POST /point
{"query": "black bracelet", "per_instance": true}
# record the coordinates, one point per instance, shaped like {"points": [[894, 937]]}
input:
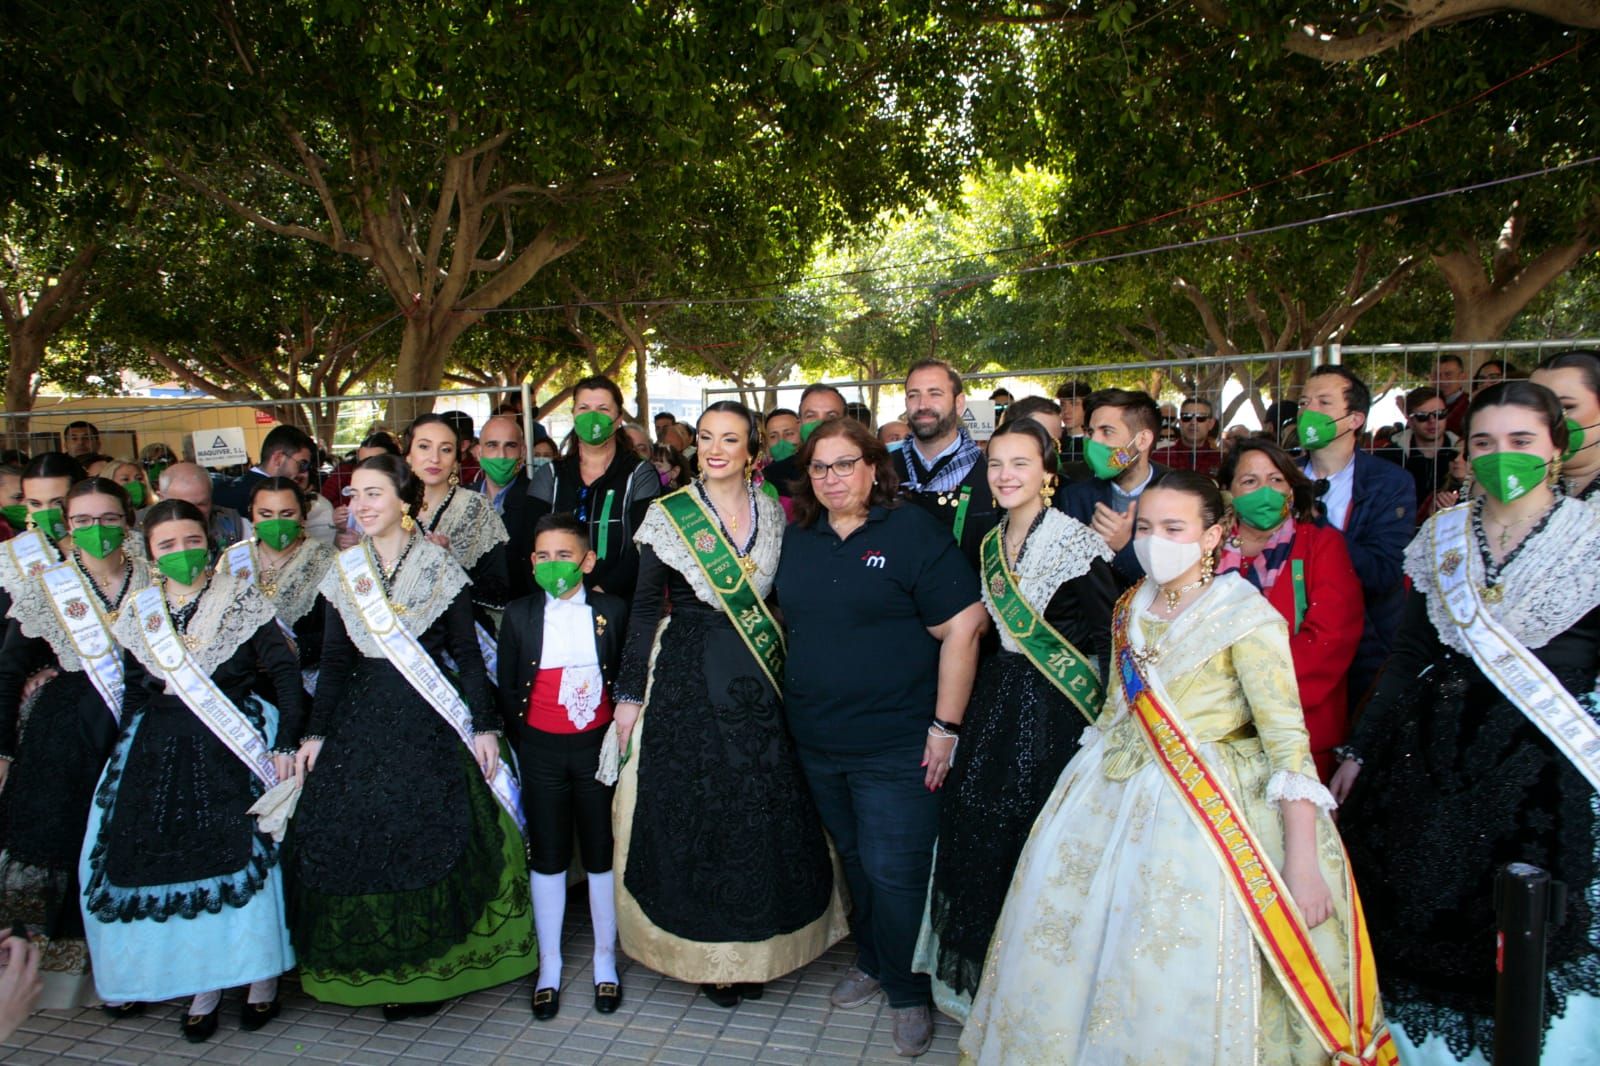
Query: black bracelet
{"points": [[953, 728]]}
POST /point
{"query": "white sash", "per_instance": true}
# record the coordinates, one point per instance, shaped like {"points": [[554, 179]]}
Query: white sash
{"points": [[184, 676], [1523, 679], [74, 604], [242, 565], [31, 553], [489, 650], [406, 653]]}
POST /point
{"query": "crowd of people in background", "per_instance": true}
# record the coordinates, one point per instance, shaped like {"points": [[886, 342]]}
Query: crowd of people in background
{"points": [[1055, 724]]}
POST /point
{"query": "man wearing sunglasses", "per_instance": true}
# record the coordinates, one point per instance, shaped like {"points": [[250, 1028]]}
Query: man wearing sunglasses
{"points": [[1196, 446], [1430, 453], [285, 452]]}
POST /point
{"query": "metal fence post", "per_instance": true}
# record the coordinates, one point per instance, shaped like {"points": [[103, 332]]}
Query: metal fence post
{"points": [[1528, 904]]}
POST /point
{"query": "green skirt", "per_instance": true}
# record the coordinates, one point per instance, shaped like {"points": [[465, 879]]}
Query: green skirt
{"points": [[501, 947]]}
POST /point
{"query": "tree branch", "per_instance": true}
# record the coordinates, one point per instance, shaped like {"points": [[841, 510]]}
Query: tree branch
{"points": [[1328, 46]]}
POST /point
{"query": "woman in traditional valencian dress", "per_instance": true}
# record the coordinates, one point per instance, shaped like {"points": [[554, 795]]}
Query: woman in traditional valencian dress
{"points": [[726, 877], [409, 878], [1029, 705], [457, 518], [182, 893], [286, 566], [51, 757], [1454, 776], [1574, 377], [1150, 916]]}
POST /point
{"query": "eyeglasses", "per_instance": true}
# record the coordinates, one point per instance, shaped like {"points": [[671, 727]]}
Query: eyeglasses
{"points": [[842, 468], [84, 521], [1429, 416]]}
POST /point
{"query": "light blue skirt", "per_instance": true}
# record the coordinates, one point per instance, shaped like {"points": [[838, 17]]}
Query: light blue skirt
{"points": [[146, 960]]}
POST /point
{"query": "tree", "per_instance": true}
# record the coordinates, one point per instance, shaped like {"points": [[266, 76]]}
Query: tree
{"points": [[458, 151]]}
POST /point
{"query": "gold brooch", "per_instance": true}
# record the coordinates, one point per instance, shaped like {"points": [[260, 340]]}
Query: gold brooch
{"points": [[192, 642], [599, 625], [1493, 594]]}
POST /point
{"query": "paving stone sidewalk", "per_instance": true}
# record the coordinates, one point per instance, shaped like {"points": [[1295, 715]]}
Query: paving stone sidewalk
{"points": [[660, 1021]]}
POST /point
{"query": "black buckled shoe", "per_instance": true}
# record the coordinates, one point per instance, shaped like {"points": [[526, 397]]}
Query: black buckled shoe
{"points": [[751, 989], [254, 1015], [722, 995], [131, 1009], [198, 1028], [546, 1003], [607, 997]]}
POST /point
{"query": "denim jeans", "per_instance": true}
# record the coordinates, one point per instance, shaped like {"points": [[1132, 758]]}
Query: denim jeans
{"points": [[884, 822]]}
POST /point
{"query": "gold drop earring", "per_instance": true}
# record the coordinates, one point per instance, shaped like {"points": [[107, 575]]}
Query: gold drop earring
{"points": [[1048, 491], [455, 476], [407, 523]]}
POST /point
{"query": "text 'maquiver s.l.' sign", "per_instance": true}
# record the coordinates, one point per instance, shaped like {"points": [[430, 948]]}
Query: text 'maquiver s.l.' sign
{"points": [[220, 447]]}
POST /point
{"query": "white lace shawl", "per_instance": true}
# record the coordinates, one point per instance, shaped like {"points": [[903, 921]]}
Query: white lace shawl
{"points": [[230, 613], [14, 581], [427, 585], [659, 533], [473, 526], [37, 618], [297, 581], [1060, 549], [1550, 584]]}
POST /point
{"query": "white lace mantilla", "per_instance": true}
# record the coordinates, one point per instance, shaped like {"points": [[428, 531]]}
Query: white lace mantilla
{"points": [[659, 533], [1550, 584], [1060, 549], [229, 614], [37, 618], [294, 589], [473, 526], [427, 584]]}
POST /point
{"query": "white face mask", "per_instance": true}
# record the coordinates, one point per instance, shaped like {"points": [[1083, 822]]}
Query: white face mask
{"points": [[1165, 560]]}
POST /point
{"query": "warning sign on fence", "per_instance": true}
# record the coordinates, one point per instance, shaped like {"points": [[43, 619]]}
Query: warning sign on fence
{"points": [[220, 447], [979, 419]]}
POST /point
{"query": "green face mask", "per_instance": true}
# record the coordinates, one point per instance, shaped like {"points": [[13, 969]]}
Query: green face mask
{"points": [[183, 566], [99, 541], [1508, 476], [1263, 508], [278, 533], [808, 428], [501, 470], [135, 491], [1107, 462], [50, 522], [16, 514], [1575, 439], [782, 449], [594, 427], [557, 576], [1316, 429]]}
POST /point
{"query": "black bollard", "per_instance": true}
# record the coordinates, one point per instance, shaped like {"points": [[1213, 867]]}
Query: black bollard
{"points": [[1527, 905]]}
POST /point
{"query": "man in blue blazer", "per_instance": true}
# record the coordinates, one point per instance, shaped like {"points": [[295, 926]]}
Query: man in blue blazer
{"points": [[1122, 426], [1374, 502]]}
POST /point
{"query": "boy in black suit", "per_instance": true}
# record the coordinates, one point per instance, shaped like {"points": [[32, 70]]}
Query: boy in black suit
{"points": [[559, 650]]}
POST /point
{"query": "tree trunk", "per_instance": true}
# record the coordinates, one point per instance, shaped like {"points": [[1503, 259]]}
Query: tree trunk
{"points": [[27, 356], [641, 364]]}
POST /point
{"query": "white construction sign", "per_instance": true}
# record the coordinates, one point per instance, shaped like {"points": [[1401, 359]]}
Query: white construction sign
{"points": [[979, 419], [220, 447]]}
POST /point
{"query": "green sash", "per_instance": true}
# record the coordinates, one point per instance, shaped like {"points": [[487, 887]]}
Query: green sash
{"points": [[727, 575], [1049, 651]]}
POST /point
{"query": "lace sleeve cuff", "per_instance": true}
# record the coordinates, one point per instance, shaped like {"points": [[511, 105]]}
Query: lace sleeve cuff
{"points": [[1289, 785], [623, 697]]}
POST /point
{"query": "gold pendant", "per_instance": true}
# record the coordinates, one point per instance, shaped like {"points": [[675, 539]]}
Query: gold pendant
{"points": [[1493, 594], [191, 642], [748, 565]]}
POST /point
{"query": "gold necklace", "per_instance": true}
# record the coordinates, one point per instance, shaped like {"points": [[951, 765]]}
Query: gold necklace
{"points": [[1172, 597], [1505, 530]]}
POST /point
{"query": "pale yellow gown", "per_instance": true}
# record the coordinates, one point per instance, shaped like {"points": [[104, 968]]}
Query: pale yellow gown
{"points": [[1120, 942]]}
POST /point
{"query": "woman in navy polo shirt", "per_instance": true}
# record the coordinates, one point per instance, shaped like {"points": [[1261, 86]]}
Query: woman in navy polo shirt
{"points": [[882, 615]]}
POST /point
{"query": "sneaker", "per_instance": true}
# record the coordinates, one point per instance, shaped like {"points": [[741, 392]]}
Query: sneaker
{"points": [[854, 989], [913, 1031]]}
